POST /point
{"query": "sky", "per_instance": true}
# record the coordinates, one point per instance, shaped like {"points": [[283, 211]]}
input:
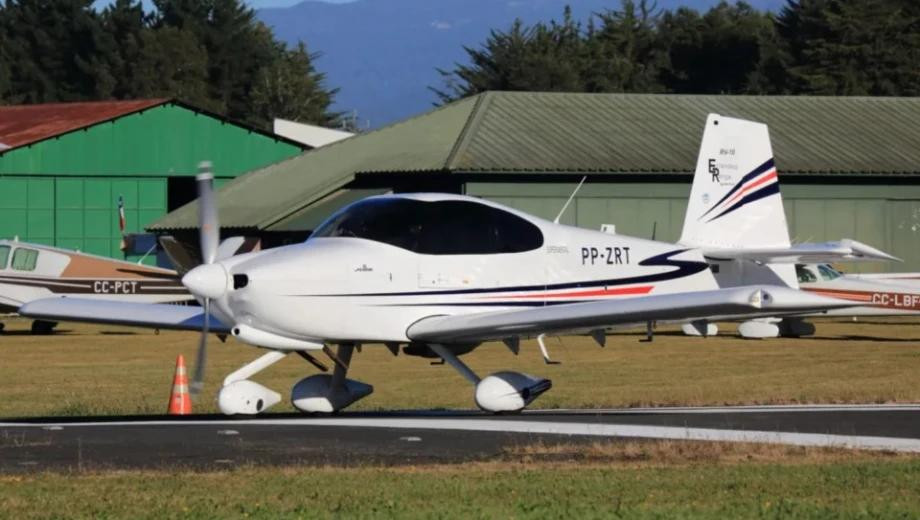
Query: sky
{"points": [[260, 4]]}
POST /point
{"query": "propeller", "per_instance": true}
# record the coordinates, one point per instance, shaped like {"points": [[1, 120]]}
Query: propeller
{"points": [[208, 280]]}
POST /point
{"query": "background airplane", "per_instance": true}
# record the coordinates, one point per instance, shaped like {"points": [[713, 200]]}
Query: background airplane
{"points": [[31, 272], [889, 294]]}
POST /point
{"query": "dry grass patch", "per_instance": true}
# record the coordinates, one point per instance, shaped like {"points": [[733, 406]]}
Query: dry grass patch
{"points": [[101, 370], [663, 453]]}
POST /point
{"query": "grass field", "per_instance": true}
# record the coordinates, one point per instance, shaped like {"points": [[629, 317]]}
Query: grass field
{"points": [[94, 370], [612, 480]]}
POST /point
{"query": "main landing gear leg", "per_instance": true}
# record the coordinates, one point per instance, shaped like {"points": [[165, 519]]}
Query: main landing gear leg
{"points": [[241, 396], [499, 392], [324, 393]]}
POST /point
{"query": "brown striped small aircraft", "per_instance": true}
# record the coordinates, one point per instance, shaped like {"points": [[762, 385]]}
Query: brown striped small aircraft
{"points": [[890, 294], [33, 271]]}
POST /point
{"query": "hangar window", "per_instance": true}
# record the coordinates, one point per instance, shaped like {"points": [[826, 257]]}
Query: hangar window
{"points": [[828, 273], [24, 259], [4, 256], [805, 274], [449, 227]]}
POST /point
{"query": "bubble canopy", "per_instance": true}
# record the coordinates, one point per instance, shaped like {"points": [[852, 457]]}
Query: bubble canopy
{"points": [[441, 227]]}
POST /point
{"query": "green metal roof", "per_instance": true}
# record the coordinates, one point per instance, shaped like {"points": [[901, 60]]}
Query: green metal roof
{"points": [[522, 132]]}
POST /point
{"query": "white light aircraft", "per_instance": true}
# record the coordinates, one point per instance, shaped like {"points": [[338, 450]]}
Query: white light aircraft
{"points": [[735, 217], [437, 275]]}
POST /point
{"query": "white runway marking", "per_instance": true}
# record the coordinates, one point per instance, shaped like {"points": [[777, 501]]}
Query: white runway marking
{"points": [[442, 421], [776, 408]]}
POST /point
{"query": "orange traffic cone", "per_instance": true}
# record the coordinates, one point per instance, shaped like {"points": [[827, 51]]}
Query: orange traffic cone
{"points": [[180, 403]]}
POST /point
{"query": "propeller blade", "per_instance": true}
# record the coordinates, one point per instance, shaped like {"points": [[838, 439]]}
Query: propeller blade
{"points": [[198, 381], [208, 226]]}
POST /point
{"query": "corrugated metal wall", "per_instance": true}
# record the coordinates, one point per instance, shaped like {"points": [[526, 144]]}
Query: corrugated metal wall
{"points": [[64, 191], [78, 212], [887, 217]]}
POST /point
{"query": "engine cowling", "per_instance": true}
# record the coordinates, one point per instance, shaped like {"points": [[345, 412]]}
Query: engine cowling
{"points": [[315, 394], [509, 391], [246, 397]]}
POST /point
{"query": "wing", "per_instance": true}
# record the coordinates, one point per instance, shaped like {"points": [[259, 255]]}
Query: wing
{"points": [[153, 315], [845, 250], [752, 301]]}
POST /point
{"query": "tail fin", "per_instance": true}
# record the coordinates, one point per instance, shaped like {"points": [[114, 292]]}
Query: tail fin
{"points": [[735, 200]]}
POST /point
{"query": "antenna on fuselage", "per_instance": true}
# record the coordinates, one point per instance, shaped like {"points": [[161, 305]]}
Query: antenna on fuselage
{"points": [[572, 196]]}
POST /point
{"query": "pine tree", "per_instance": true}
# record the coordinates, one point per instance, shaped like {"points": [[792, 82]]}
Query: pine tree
{"points": [[291, 88], [852, 47], [55, 50], [543, 57], [237, 47], [727, 50], [172, 63], [626, 55]]}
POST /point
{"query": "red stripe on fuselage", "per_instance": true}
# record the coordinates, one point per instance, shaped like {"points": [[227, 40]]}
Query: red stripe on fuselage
{"points": [[641, 289]]}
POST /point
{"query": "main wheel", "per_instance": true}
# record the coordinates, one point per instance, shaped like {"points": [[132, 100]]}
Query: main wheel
{"points": [[43, 327]]}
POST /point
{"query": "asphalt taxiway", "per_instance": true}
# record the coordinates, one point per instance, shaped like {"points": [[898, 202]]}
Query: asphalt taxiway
{"points": [[426, 436]]}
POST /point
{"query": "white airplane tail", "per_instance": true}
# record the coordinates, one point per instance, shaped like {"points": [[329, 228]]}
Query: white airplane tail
{"points": [[735, 201], [735, 204]]}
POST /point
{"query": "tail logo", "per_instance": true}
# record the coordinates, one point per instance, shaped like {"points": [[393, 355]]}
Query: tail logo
{"points": [[756, 185], [713, 170]]}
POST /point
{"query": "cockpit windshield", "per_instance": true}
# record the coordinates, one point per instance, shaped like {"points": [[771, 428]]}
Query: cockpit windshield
{"points": [[828, 273], [447, 227]]}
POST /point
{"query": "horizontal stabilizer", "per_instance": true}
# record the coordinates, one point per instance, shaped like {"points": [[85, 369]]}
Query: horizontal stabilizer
{"points": [[153, 315], [845, 250], [734, 302]]}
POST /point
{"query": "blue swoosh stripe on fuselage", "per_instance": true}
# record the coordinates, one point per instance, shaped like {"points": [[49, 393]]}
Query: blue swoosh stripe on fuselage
{"points": [[684, 268], [757, 171]]}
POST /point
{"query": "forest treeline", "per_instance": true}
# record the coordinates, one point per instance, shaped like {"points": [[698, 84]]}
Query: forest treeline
{"points": [[213, 54], [817, 47], [216, 55]]}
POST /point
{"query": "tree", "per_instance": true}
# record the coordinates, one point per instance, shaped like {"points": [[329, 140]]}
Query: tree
{"points": [[727, 50], [125, 26], [544, 57], [852, 47], [625, 54], [55, 50], [237, 46], [291, 88], [171, 63]]}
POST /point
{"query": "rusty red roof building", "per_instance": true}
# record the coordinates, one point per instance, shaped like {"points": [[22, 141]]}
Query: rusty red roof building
{"points": [[21, 125]]}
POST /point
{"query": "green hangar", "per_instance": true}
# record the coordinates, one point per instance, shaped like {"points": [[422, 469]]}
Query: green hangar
{"points": [[64, 166], [849, 166]]}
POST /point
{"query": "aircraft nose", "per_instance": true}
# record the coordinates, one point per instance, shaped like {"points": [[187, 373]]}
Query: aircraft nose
{"points": [[207, 280]]}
